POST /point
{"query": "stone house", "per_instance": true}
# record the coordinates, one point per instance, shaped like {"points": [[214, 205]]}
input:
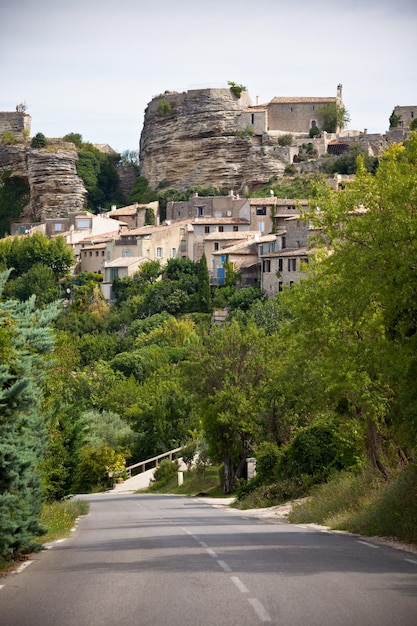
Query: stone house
{"points": [[201, 227], [161, 243], [288, 114], [217, 243], [134, 215], [209, 206], [406, 114], [121, 267], [283, 261]]}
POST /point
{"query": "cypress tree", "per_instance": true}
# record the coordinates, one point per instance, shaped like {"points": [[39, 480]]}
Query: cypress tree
{"points": [[25, 336], [204, 291]]}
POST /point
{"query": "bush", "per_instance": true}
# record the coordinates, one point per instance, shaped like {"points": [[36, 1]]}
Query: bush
{"points": [[267, 458], [164, 472], [164, 107], [8, 138], [39, 141], [285, 140]]}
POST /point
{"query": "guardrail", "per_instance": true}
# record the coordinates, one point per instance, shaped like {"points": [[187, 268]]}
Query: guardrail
{"points": [[154, 459]]}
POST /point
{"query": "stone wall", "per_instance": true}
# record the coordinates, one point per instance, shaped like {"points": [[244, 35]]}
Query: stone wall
{"points": [[14, 122]]}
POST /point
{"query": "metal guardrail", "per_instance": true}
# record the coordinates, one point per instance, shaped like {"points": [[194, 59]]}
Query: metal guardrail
{"points": [[154, 459]]}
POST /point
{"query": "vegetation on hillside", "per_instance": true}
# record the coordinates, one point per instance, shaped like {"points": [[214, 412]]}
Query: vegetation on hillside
{"points": [[316, 383]]}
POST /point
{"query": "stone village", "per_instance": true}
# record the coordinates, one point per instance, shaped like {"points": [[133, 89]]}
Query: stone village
{"points": [[230, 142]]}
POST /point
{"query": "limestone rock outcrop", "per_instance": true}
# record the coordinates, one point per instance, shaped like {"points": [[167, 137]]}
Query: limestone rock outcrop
{"points": [[55, 187], [197, 138]]}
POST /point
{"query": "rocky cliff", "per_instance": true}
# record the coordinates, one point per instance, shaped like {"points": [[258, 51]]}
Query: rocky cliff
{"points": [[197, 139], [55, 187]]}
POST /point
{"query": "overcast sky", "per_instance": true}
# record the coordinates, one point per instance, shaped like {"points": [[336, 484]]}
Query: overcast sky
{"points": [[92, 66]]}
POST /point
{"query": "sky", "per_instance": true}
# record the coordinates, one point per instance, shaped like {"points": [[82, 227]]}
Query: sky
{"points": [[92, 66]]}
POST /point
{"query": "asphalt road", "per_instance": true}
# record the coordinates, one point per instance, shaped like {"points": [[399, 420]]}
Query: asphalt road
{"points": [[151, 560]]}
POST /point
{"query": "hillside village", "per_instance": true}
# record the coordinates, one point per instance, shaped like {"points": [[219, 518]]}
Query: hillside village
{"points": [[265, 239]]}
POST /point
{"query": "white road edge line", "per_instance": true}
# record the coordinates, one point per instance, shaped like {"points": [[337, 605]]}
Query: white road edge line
{"points": [[224, 566], [239, 584], [22, 567], [414, 562], [370, 545], [259, 609]]}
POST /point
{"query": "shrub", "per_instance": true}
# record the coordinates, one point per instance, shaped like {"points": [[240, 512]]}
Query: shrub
{"points": [[164, 472], [8, 138], [314, 131], [267, 458], [290, 170], [285, 140], [236, 89], [164, 107], [39, 141]]}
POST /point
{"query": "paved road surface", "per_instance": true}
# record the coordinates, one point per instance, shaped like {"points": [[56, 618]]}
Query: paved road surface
{"points": [[152, 560]]}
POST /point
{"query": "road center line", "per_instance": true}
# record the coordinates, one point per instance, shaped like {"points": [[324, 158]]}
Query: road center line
{"points": [[259, 609], [211, 552], [224, 566], [239, 584]]}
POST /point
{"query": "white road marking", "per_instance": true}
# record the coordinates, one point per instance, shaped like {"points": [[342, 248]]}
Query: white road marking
{"points": [[211, 552], [202, 544], [1, 586], [224, 566], [239, 584], [22, 567], [370, 545], [411, 561], [259, 609]]}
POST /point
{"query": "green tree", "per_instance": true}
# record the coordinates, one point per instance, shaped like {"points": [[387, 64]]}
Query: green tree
{"points": [[332, 116], [14, 196], [228, 374], [203, 289], [40, 281], [21, 254], [26, 336], [359, 350]]}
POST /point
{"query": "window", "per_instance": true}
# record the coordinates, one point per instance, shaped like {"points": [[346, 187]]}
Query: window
{"points": [[173, 253], [261, 226], [82, 223], [114, 272], [58, 227], [183, 245], [102, 253], [200, 211], [90, 253], [261, 210], [280, 286], [284, 242], [252, 117], [235, 229], [96, 252], [280, 265], [314, 108], [159, 253], [266, 265], [292, 265], [221, 229], [182, 232], [216, 245], [206, 229]]}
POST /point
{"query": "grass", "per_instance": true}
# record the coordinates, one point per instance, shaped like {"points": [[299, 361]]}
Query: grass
{"points": [[365, 504], [59, 518]]}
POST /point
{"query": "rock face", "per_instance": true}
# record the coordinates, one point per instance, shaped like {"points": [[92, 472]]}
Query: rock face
{"points": [[197, 138], [55, 187]]}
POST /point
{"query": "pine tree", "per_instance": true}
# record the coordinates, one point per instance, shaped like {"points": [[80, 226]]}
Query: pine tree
{"points": [[25, 336]]}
